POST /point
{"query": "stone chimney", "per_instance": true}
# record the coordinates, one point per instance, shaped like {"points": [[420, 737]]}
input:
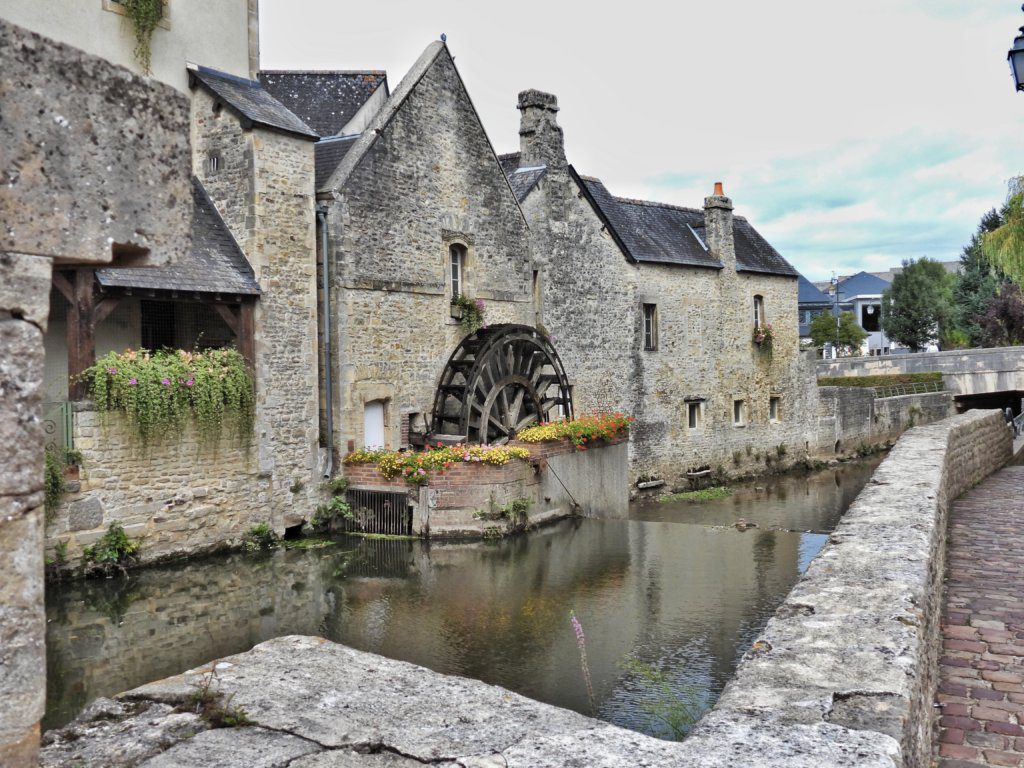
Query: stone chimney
{"points": [[718, 227], [540, 137]]}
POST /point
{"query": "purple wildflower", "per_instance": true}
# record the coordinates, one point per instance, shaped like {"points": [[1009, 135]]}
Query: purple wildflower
{"points": [[112, 371], [133, 381], [166, 382], [189, 383]]}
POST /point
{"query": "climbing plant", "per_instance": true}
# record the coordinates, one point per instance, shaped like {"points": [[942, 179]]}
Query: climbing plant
{"points": [[144, 16], [472, 312], [159, 391]]}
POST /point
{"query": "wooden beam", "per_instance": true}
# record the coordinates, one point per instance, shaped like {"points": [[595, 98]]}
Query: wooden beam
{"points": [[60, 282], [81, 332], [246, 336], [229, 317], [104, 307]]}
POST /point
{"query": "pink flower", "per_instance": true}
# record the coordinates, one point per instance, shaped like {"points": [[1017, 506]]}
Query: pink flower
{"points": [[166, 382], [420, 472], [133, 381], [112, 371], [189, 383]]}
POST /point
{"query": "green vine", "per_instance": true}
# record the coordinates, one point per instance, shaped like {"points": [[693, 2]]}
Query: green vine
{"points": [[472, 313], [144, 16], [159, 391], [53, 481]]}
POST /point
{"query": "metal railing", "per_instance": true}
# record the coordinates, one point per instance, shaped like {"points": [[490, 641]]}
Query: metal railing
{"points": [[913, 388], [378, 512], [57, 431]]}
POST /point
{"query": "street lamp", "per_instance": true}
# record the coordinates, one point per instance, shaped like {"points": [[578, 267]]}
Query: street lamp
{"points": [[835, 290], [1016, 58]]}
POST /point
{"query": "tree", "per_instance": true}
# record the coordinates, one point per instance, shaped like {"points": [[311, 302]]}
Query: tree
{"points": [[978, 283], [1002, 323], [1004, 245], [823, 331], [917, 308]]}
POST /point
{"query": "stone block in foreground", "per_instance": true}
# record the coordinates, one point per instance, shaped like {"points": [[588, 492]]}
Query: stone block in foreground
{"points": [[312, 703]]}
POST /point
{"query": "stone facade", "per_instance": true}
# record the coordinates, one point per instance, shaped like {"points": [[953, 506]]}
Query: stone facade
{"points": [[179, 496], [593, 298], [422, 177], [84, 178]]}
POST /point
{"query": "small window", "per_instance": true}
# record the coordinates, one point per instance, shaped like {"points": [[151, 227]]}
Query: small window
{"points": [[212, 163], [775, 408], [374, 424], [739, 412], [650, 327], [693, 415], [457, 263], [758, 311]]}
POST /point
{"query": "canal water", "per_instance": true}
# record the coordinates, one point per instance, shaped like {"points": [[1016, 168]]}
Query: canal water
{"points": [[668, 600]]}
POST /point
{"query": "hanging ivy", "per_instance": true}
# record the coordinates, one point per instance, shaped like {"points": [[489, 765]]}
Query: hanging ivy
{"points": [[160, 391], [144, 16]]}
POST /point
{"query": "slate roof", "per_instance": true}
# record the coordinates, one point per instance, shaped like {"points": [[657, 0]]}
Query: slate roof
{"points": [[522, 180], [808, 292], [651, 232], [214, 264], [250, 101], [862, 284], [328, 154], [326, 101], [755, 254]]}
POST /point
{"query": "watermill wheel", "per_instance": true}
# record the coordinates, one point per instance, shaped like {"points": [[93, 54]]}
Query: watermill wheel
{"points": [[499, 381]]}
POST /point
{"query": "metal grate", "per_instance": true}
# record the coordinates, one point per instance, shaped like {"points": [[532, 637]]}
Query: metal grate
{"points": [[57, 430], [379, 512], [381, 559]]}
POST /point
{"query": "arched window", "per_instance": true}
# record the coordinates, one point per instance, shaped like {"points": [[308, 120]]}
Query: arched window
{"points": [[457, 266]]}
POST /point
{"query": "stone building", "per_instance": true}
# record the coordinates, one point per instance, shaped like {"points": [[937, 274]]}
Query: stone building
{"points": [[654, 310]]}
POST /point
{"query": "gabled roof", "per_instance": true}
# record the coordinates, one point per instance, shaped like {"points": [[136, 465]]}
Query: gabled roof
{"points": [[650, 232], [808, 292], [755, 254], [383, 118], [325, 101], [329, 153], [248, 99], [214, 264], [521, 180], [862, 284]]}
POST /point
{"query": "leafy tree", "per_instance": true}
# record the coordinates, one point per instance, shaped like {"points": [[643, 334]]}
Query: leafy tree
{"points": [[1004, 245], [823, 331], [917, 308], [1002, 323], [978, 283]]}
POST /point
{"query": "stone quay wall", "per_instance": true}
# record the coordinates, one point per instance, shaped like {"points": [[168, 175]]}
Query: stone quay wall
{"points": [[854, 648], [851, 416], [93, 163], [559, 481], [179, 496]]}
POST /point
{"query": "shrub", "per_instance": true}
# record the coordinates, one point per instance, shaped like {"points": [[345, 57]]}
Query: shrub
{"points": [[112, 552], [260, 538], [327, 513], [472, 313], [415, 467], [158, 391], [53, 481], [587, 428]]}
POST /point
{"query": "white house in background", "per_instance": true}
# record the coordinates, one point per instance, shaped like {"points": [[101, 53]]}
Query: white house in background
{"points": [[861, 294]]}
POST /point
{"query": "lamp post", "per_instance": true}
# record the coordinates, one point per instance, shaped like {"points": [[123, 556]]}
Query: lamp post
{"points": [[835, 292], [1015, 57]]}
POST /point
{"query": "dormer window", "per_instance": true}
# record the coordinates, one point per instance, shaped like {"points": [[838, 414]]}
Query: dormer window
{"points": [[457, 265]]}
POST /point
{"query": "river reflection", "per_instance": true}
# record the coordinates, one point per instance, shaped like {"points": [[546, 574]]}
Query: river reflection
{"points": [[676, 588]]}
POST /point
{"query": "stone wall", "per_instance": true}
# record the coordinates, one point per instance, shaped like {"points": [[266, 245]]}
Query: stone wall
{"points": [[590, 482], [263, 188], [93, 166], [853, 649], [849, 417], [592, 305], [178, 496], [429, 178]]}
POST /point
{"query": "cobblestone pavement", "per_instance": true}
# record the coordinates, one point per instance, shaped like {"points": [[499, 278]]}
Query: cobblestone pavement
{"points": [[981, 683]]}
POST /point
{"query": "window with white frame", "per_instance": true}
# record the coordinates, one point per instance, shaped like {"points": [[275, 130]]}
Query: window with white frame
{"points": [[650, 327], [694, 414], [739, 413], [456, 268], [758, 311]]}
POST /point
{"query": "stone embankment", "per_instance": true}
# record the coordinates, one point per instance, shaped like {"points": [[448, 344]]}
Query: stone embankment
{"points": [[843, 675]]}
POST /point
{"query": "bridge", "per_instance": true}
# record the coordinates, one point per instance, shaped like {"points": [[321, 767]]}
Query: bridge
{"points": [[977, 378]]}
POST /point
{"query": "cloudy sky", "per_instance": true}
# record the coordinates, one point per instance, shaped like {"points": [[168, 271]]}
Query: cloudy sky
{"points": [[853, 134]]}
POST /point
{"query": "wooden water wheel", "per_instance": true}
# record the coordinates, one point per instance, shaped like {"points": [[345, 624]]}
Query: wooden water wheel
{"points": [[498, 381]]}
